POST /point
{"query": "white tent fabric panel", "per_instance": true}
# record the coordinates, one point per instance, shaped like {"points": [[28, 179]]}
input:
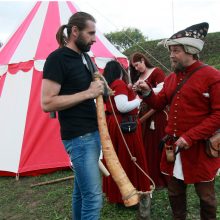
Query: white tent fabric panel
{"points": [[3, 69], [101, 62], [65, 13], [13, 110], [26, 49]]}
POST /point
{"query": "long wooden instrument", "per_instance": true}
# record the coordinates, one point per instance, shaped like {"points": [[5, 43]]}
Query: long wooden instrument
{"points": [[128, 192]]}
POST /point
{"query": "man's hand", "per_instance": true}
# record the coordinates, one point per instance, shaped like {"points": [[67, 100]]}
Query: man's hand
{"points": [[96, 88], [181, 143], [141, 86]]}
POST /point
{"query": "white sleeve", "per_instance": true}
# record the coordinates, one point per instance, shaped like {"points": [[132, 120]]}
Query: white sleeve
{"points": [[123, 105], [158, 88]]}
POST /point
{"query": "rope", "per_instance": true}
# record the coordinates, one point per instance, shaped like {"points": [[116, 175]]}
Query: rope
{"points": [[134, 42], [134, 159], [132, 193]]}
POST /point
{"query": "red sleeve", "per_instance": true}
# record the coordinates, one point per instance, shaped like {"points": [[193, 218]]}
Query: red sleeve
{"points": [[160, 100]]}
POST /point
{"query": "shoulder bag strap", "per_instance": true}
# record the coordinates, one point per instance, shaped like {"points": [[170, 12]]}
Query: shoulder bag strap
{"points": [[91, 66]]}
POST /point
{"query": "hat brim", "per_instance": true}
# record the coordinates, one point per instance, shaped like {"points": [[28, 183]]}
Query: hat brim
{"points": [[193, 42]]}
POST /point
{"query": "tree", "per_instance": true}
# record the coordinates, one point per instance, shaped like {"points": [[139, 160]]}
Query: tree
{"points": [[126, 38]]}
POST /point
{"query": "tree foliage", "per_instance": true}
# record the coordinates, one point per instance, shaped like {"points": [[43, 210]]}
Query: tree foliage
{"points": [[131, 40], [126, 38], [210, 53]]}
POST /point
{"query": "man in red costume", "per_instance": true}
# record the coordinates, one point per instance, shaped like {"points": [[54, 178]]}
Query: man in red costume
{"points": [[194, 116]]}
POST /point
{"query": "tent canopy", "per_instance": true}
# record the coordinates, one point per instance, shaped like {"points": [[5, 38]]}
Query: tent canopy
{"points": [[30, 141]]}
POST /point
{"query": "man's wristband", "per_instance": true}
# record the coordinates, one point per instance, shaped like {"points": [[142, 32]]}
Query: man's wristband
{"points": [[145, 94]]}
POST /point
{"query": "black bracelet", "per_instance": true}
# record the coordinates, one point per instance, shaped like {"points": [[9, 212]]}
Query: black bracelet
{"points": [[139, 93], [145, 94]]}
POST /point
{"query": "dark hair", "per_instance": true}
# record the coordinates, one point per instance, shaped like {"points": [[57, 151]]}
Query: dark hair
{"points": [[137, 57], [79, 20], [113, 71], [196, 56]]}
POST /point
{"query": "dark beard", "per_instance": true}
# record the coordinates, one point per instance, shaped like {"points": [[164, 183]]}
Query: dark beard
{"points": [[178, 68], [82, 46]]}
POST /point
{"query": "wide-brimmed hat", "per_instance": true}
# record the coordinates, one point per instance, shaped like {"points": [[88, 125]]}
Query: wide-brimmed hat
{"points": [[191, 38]]}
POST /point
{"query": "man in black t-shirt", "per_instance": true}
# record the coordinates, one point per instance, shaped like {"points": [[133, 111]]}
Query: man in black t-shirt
{"points": [[68, 88]]}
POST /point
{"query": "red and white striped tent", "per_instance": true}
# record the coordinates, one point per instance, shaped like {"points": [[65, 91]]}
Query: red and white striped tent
{"points": [[29, 140]]}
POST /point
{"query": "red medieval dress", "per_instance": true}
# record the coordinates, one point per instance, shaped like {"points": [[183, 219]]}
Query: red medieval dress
{"points": [[135, 144], [153, 130]]}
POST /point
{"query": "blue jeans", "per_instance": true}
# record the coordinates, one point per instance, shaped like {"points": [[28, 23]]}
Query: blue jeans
{"points": [[84, 152]]}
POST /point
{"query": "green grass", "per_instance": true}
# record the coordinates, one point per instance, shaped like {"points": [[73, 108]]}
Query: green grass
{"points": [[20, 201]]}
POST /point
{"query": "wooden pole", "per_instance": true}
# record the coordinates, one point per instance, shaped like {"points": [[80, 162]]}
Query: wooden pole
{"points": [[101, 167], [52, 181]]}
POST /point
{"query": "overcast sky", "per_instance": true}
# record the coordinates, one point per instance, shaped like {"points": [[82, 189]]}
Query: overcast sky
{"points": [[155, 18]]}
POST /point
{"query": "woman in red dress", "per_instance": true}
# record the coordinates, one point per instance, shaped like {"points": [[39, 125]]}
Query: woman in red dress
{"points": [[153, 127], [125, 104]]}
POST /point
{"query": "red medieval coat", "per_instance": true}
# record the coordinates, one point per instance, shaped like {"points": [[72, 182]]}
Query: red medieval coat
{"points": [[194, 115]]}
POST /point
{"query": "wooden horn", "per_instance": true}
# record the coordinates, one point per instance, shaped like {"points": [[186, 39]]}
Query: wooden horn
{"points": [[128, 192]]}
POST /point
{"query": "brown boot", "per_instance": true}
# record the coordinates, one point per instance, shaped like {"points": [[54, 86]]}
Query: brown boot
{"points": [[144, 207], [208, 203], [177, 198]]}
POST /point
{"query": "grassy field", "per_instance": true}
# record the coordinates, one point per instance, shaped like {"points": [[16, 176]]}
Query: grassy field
{"points": [[20, 201]]}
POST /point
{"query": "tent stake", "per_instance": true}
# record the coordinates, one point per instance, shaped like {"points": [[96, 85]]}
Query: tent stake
{"points": [[52, 181]]}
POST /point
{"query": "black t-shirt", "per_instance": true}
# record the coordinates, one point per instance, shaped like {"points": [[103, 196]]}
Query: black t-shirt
{"points": [[66, 67]]}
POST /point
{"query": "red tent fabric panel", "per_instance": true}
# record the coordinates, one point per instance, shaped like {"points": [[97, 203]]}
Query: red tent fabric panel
{"points": [[71, 7], [100, 50], [2, 80], [42, 146], [24, 66], [47, 41]]}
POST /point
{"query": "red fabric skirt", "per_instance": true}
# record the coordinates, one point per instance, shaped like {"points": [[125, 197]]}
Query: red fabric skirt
{"points": [[136, 177], [153, 130]]}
